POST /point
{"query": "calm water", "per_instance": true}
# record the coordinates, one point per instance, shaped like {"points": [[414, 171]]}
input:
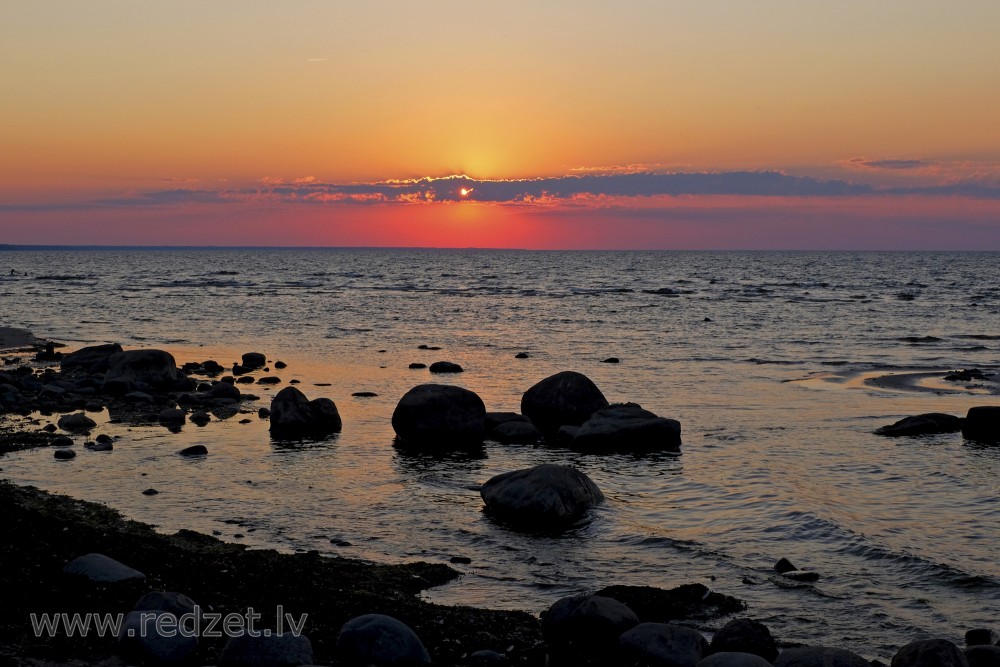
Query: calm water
{"points": [[763, 357]]}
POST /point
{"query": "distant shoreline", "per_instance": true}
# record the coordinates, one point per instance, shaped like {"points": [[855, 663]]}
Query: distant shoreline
{"points": [[792, 251]]}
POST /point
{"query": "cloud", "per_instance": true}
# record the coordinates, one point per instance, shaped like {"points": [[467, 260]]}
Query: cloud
{"points": [[865, 163]]}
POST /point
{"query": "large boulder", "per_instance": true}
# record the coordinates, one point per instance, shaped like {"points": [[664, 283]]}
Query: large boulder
{"points": [[566, 398], [156, 637], [153, 368], [545, 496], [664, 645], [818, 656], [744, 635], [929, 653], [627, 427], [284, 650], [587, 622], [982, 423], [253, 360], [733, 659], [437, 414], [91, 359], [376, 639], [101, 569], [293, 415], [925, 424], [983, 656], [76, 421]]}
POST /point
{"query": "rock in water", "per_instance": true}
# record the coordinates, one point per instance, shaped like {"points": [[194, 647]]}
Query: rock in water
{"points": [[982, 423], [582, 623], [194, 450], [445, 367], [376, 639], [64, 454], [101, 569], [929, 653], [92, 359], [566, 398], [437, 414], [981, 637], [172, 417], [155, 368], [254, 360], [76, 422], [931, 422], [664, 644], [818, 656], [546, 496], [522, 432], [983, 656], [285, 650], [293, 415], [627, 428]]}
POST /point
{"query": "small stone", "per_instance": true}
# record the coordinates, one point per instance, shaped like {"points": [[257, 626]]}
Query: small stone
{"points": [[270, 379], [199, 418], [150, 492], [610, 360], [521, 355], [460, 560], [194, 450], [64, 454], [416, 365], [364, 394], [445, 367], [263, 413], [981, 636], [784, 565], [280, 364]]}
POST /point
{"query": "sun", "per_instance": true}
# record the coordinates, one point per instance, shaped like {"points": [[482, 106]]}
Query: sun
{"points": [[465, 192]]}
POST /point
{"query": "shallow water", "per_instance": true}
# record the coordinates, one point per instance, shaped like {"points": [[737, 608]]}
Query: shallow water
{"points": [[775, 364]]}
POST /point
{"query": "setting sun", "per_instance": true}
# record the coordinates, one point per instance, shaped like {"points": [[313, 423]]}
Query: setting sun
{"points": [[465, 192]]}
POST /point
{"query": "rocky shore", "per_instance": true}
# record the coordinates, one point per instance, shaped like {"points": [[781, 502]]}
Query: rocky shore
{"points": [[64, 556]]}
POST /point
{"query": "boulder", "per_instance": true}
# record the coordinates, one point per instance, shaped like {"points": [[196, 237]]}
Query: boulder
{"points": [[545, 496], [983, 656], [929, 653], [733, 659], [982, 636], [199, 418], [76, 422], [172, 417], [744, 635], [156, 637], [585, 622], [376, 639], [154, 368], [818, 656], [663, 645], [566, 398], [416, 365], [64, 454], [516, 431], [687, 601], [494, 419], [629, 428], [293, 415], [225, 390], [445, 367], [982, 423], [285, 650], [177, 604], [99, 446], [270, 379], [436, 414], [91, 359], [925, 424], [98, 568], [254, 360]]}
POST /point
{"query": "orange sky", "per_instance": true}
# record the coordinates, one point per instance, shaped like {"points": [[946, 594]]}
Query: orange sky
{"points": [[110, 101]]}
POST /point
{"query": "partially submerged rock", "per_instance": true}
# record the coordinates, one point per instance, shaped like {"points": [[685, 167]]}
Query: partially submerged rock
{"points": [[132, 369], [545, 496], [92, 359], [439, 415], [586, 622], [293, 415], [663, 645], [929, 653], [566, 398], [627, 428], [925, 424], [744, 635], [982, 423]]}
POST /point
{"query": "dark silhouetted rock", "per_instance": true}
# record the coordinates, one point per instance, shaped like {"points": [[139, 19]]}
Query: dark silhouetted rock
{"points": [[417, 365], [932, 422], [177, 604], [566, 398], [172, 417], [733, 659], [981, 636], [982, 423], [194, 450], [91, 359], [583, 623], [460, 560], [627, 428], [545, 496], [376, 639], [966, 375], [245, 379], [150, 492], [294, 415], [445, 367], [254, 360], [154, 368], [744, 635], [522, 432], [364, 394], [983, 656], [76, 422], [784, 565], [64, 454], [153, 637], [611, 360], [263, 413], [104, 437], [270, 379], [99, 446], [240, 369], [100, 569], [522, 355], [818, 656], [199, 418], [286, 650], [805, 576], [280, 364], [929, 653], [494, 419], [688, 601], [663, 645], [486, 657], [432, 414]]}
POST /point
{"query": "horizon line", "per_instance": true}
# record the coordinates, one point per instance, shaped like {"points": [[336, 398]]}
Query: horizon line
{"points": [[20, 247]]}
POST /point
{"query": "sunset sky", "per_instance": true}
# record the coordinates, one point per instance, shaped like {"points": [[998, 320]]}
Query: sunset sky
{"points": [[702, 124]]}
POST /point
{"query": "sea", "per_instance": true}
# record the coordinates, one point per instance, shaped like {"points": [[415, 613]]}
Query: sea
{"points": [[779, 366]]}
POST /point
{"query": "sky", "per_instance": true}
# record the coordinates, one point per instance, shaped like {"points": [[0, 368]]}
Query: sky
{"points": [[669, 124]]}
